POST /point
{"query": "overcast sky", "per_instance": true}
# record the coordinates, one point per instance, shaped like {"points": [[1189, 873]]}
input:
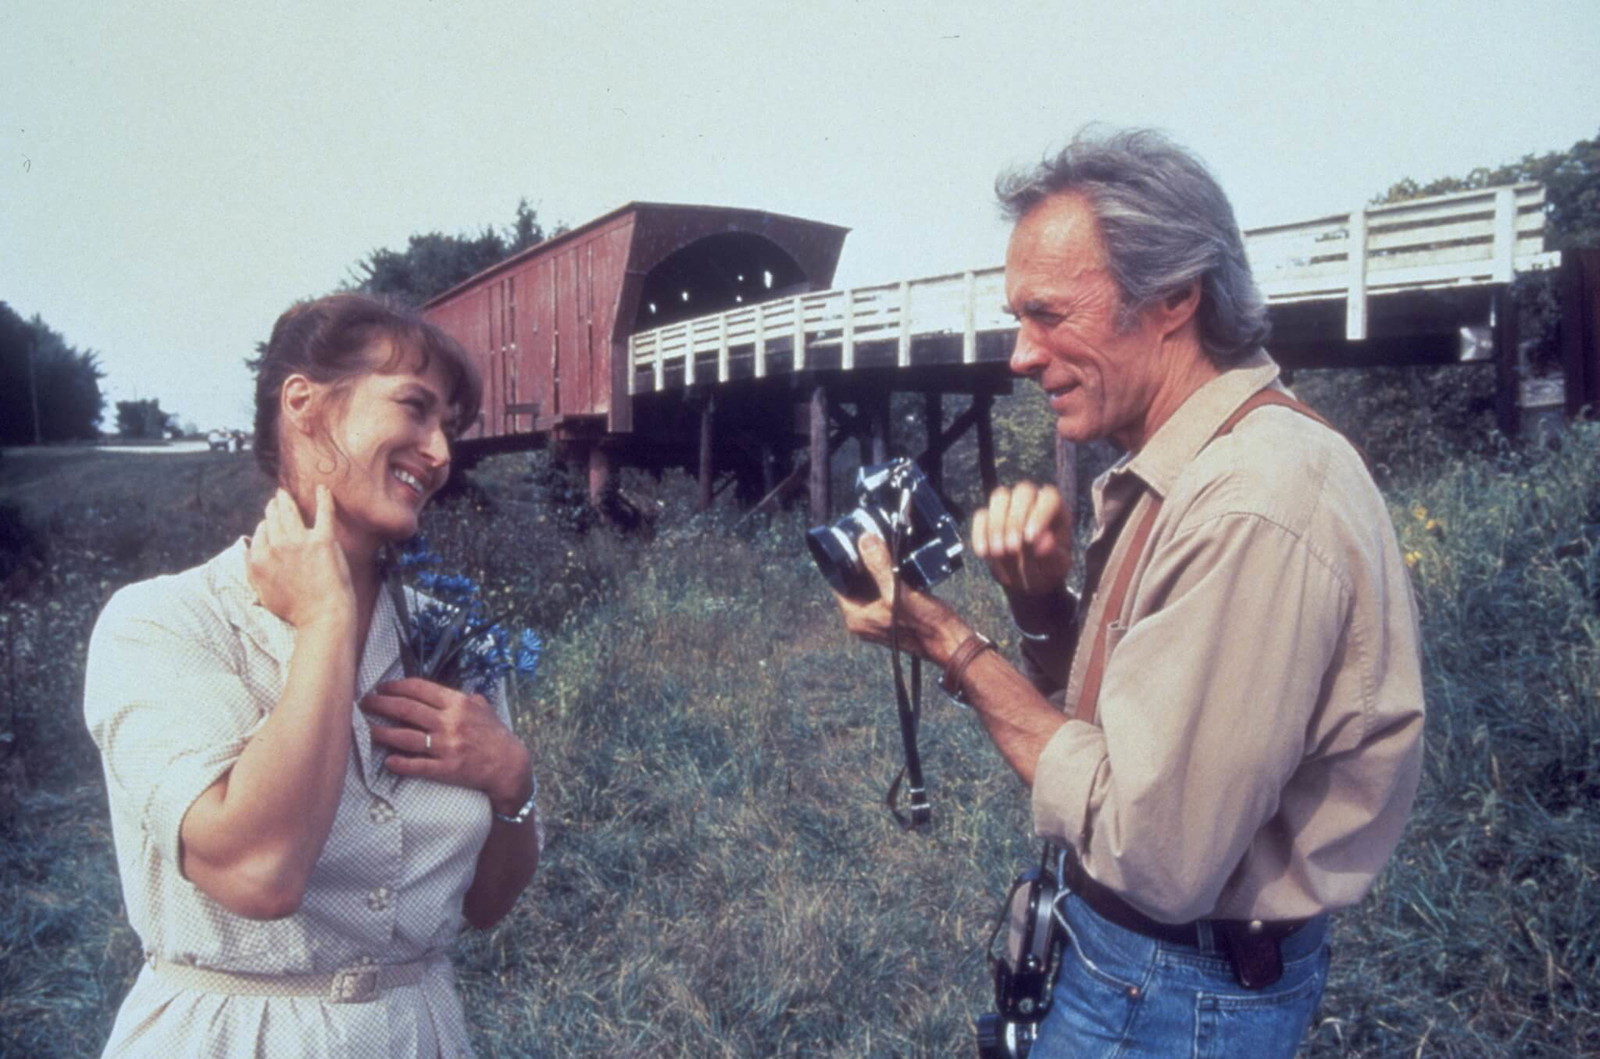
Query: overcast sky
{"points": [[175, 174]]}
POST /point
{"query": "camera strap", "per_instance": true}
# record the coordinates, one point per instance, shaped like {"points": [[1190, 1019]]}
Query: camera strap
{"points": [[908, 703], [1089, 695], [910, 708]]}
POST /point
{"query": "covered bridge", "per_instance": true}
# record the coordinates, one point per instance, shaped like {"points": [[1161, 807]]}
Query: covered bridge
{"points": [[551, 325]]}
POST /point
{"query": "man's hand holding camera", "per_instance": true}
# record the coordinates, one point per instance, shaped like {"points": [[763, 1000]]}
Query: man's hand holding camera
{"points": [[1025, 535], [928, 627]]}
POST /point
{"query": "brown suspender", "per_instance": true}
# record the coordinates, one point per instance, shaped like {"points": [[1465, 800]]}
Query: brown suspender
{"points": [[1089, 695]]}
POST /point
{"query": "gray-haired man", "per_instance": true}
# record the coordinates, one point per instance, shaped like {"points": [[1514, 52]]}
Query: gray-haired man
{"points": [[1225, 734]]}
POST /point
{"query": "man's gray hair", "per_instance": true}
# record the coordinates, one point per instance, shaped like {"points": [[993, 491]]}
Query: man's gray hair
{"points": [[1165, 222]]}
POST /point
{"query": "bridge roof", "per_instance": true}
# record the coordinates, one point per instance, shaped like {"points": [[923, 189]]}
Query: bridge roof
{"points": [[738, 218]]}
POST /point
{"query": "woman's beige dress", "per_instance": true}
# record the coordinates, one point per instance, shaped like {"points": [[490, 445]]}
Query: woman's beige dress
{"points": [[182, 671]]}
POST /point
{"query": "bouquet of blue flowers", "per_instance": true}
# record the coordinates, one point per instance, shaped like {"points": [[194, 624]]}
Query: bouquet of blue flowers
{"points": [[448, 636]]}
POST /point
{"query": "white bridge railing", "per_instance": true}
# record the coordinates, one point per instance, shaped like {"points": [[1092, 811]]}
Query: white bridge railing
{"points": [[1465, 239]]}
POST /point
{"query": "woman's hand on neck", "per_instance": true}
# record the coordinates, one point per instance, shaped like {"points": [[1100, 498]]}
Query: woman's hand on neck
{"points": [[297, 567]]}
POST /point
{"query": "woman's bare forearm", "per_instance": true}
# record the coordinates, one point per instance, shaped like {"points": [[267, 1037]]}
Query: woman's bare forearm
{"points": [[509, 857], [251, 840]]}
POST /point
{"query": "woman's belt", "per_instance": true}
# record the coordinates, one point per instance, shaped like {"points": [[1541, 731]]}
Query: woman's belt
{"points": [[352, 985]]}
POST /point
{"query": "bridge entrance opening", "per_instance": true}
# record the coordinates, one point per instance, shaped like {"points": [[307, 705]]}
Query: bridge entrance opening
{"points": [[715, 274]]}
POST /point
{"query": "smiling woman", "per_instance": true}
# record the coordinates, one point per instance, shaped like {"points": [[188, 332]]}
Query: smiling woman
{"points": [[295, 866]]}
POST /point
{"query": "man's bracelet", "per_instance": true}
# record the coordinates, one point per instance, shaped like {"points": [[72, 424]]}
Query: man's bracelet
{"points": [[973, 646], [521, 815]]}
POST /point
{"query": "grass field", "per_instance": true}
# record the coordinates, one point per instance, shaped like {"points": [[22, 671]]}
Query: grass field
{"points": [[722, 879]]}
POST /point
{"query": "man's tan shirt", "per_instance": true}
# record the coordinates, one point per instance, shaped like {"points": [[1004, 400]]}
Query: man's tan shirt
{"points": [[1259, 733]]}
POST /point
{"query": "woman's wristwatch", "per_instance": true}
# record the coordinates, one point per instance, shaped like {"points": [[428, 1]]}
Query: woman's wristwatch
{"points": [[521, 815]]}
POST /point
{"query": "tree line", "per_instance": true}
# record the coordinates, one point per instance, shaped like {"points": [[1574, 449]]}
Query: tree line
{"points": [[49, 389]]}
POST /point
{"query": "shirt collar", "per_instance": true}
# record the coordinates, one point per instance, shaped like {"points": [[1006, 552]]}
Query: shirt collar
{"points": [[1179, 440], [380, 655], [230, 581]]}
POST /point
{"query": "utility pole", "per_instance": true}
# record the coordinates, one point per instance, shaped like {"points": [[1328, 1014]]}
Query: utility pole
{"points": [[33, 395]]}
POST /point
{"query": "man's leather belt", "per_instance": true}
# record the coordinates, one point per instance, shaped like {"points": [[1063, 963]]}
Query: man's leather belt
{"points": [[1108, 906]]}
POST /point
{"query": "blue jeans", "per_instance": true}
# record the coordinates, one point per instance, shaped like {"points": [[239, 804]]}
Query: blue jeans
{"points": [[1122, 994]]}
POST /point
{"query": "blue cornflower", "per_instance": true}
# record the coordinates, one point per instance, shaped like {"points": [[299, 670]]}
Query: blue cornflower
{"points": [[416, 554], [449, 637], [526, 658]]}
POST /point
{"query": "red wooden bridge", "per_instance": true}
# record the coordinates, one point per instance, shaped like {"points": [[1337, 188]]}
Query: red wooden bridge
{"points": [[709, 338]]}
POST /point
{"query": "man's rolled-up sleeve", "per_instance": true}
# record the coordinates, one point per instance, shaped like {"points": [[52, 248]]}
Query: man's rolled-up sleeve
{"points": [[1203, 712]]}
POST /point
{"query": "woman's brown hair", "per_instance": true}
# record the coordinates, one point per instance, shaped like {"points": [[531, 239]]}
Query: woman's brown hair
{"points": [[330, 340]]}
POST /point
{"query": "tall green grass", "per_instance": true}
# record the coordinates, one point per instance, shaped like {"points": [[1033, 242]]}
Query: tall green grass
{"points": [[1482, 938], [722, 878]]}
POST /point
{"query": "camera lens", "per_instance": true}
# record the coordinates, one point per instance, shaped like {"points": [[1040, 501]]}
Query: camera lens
{"points": [[836, 556], [991, 1033], [834, 549], [1000, 1039]]}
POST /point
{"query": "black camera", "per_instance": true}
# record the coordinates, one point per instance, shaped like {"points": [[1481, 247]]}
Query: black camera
{"points": [[894, 501], [1024, 973]]}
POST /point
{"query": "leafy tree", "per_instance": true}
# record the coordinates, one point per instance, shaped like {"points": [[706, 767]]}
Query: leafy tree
{"points": [[434, 262], [1404, 417], [49, 390], [142, 419], [1572, 187], [1572, 220], [526, 230], [430, 263], [254, 363]]}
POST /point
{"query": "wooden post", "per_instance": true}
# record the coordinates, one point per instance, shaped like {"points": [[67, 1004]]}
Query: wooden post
{"points": [[847, 350], [969, 318], [1505, 235], [881, 427], [933, 415], [902, 356], [688, 353], [1507, 363], [987, 472], [1355, 305], [708, 411], [1067, 473], [769, 468], [1580, 329], [761, 340], [599, 473], [798, 351], [722, 347], [821, 500]]}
